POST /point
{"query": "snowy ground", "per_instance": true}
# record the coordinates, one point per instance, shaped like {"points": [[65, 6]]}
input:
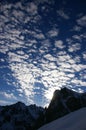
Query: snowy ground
{"points": [[73, 121]]}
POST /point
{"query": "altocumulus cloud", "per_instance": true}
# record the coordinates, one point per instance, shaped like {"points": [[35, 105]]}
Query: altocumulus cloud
{"points": [[39, 60]]}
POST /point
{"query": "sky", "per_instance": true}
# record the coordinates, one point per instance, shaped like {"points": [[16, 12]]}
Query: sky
{"points": [[42, 48]]}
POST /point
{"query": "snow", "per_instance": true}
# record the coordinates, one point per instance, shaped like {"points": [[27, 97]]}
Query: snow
{"points": [[73, 121]]}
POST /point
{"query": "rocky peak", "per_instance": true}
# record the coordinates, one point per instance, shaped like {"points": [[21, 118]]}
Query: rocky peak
{"points": [[63, 102]]}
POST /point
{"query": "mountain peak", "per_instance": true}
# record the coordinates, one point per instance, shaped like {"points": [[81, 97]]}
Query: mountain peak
{"points": [[20, 103], [63, 102]]}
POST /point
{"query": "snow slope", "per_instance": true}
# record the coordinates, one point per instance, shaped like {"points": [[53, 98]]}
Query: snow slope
{"points": [[73, 121]]}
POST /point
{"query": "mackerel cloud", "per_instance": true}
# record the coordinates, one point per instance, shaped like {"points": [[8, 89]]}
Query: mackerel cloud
{"points": [[38, 60]]}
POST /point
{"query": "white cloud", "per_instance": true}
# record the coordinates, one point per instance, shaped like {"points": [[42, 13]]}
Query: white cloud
{"points": [[2, 60], [74, 47], [69, 41], [3, 49], [79, 82], [20, 90], [80, 90], [66, 65], [16, 57], [82, 21], [59, 44], [77, 28], [63, 14], [84, 55], [32, 8], [83, 36], [39, 36], [77, 37], [27, 19], [8, 95], [77, 59], [18, 14], [82, 75], [64, 57], [24, 77], [49, 57], [53, 33], [79, 67]]}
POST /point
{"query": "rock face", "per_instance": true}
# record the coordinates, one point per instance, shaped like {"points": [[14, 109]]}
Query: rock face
{"points": [[63, 102]]}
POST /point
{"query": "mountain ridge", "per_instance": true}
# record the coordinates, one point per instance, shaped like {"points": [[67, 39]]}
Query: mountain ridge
{"points": [[18, 116]]}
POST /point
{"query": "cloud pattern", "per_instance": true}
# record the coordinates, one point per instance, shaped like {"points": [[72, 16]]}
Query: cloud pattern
{"points": [[35, 60]]}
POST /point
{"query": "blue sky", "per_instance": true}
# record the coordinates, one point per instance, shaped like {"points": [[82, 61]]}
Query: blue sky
{"points": [[42, 48]]}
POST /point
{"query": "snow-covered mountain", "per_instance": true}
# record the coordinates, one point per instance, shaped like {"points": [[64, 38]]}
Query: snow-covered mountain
{"points": [[73, 121], [19, 116]]}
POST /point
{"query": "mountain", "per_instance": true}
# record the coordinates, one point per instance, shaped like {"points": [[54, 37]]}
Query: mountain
{"points": [[21, 117], [73, 121], [63, 102]]}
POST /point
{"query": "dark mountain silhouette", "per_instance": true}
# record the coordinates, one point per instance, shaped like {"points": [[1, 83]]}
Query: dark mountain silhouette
{"points": [[21, 117], [63, 102]]}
